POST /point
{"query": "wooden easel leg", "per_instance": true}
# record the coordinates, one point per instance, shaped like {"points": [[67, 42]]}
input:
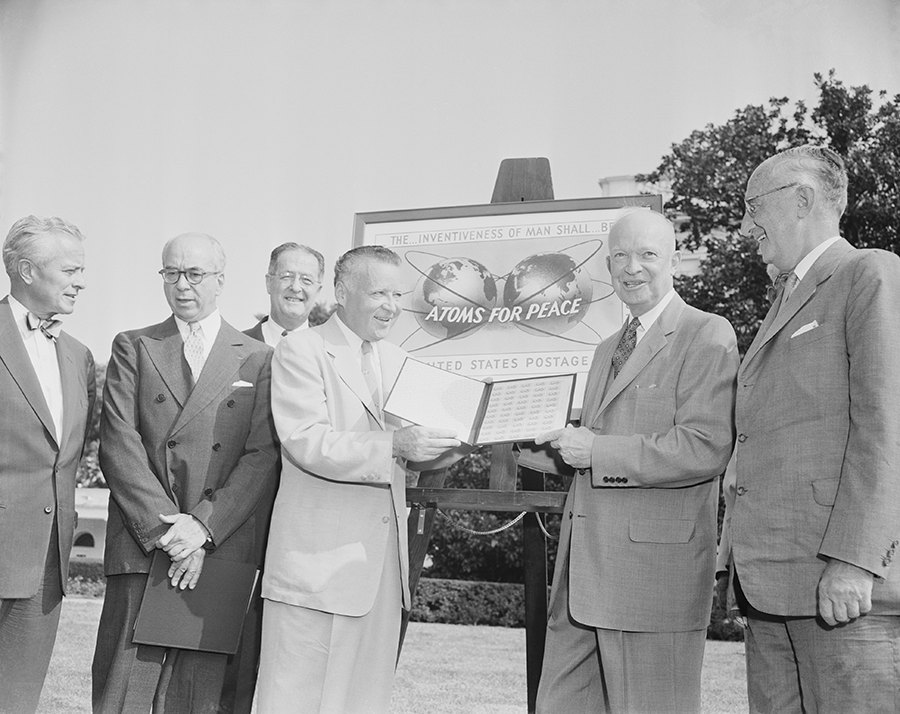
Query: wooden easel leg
{"points": [[535, 565]]}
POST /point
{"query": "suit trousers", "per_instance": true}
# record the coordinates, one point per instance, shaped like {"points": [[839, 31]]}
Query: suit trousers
{"points": [[316, 662], [800, 664], [127, 677], [27, 635], [588, 669]]}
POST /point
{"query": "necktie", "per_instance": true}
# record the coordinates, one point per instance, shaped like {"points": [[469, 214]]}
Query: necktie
{"points": [[370, 373], [193, 350], [625, 346], [773, 292], [49, 326], [790, 282]]}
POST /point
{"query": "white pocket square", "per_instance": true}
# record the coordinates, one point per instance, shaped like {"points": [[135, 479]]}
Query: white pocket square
{"points": [[806, 328], [241, 383]]}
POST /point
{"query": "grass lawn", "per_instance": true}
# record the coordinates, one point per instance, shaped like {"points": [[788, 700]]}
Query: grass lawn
{"points": [[444, 669]]}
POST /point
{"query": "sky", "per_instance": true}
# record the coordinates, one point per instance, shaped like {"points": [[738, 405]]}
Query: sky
{"points": [[264, 121]]}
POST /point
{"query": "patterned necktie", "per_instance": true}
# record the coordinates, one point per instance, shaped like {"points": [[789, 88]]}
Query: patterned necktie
{"points": [[369, 372], [625, 346], [790, 282], [193, 350], [773, 292], [49, 326]]}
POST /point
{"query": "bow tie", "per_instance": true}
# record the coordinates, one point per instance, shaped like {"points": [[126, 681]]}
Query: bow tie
{"points": [[50, 327]]}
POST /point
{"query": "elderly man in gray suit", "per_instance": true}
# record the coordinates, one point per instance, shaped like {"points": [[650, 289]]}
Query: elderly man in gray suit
{"points": [[632, 590], [813, 490], [188, 449], [47, 396]]}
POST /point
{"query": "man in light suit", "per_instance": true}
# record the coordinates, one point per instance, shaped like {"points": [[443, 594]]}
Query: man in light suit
{"points": [[336, 571], [188, 450], [631, 594], [293, 282], [813, 490], [47, 396]]}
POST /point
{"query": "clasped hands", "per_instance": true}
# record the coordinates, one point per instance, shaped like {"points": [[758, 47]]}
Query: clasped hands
{"points": [[573, 443], [420, 443], [183, 543]]}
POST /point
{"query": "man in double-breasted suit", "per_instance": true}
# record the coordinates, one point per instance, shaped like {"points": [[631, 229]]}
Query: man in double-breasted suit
{"points": [[188, 450], [293, 282], [336, 572], [812, 524], [631, 593], [47, 396]]}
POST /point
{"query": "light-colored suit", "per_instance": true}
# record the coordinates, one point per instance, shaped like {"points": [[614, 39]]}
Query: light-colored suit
{"points": [[37, 480], [637, 546], [166, 449], [336, 568]]}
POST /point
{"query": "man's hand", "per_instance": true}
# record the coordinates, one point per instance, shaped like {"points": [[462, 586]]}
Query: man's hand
{"points": [[573, 444], [845, 592], [186, 573], [419, 443], [185, 536]]}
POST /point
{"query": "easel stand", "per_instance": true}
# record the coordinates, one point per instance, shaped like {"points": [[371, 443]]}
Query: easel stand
{"points": [[517, 180]]}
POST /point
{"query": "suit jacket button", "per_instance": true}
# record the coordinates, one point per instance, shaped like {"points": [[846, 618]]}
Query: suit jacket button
{"points": [[742, 438], [606, 479], [624, 479], [48, 509], [160, 397], [217, 446], [385, 519], [229, 403], [207, 492], [171, 443], [581, 471], [570, 515], [741, 490], [174, 487]]}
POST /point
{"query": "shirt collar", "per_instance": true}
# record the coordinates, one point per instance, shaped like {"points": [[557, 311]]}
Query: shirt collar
{"points": [[272, 331], [652, 315], [804, 265], [209, 325], [354, 340], [19, 312]]}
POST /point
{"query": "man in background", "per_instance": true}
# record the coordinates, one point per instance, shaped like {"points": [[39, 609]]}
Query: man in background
{"points": [[631, 596], [812, 521], [293, 283], [47, 397], [188, 450], [337, 574]]}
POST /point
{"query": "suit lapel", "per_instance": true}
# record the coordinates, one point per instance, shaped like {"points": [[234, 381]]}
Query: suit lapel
{"points": [[347, 366], [17, 361], [651, 343], [820, 271], [166, 349], [223, 363]]}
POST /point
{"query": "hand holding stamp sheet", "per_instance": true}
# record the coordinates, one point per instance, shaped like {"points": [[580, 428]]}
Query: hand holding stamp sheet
{"points": [[481, 412]]}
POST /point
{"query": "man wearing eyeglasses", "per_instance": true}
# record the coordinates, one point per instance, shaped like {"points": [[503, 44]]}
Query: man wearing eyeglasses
{"points": [[293, 283], [188, 450], [812, 524]]}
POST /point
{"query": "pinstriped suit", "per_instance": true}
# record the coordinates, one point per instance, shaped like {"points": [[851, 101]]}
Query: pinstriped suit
{"points": [[37, 485], [167, 449]]}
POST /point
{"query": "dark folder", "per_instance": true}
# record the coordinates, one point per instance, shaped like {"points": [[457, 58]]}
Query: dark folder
{"points": [[207, 618]]}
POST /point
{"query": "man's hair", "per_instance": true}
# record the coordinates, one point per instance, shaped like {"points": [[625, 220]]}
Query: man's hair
{"points": [[218, 250], [819, 166], [25, 240], [285, 247], [350, 261]]}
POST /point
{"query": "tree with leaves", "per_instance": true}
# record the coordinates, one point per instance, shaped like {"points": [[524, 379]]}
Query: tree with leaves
{"points": [[707, 173]]}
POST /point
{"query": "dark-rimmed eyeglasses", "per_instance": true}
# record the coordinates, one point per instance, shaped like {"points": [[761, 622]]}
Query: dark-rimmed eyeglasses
{"points": [[748, 202], [193, 276]]}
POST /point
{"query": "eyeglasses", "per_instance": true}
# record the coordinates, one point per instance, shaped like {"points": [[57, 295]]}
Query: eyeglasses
{"points": [[748, 202], [289, 278], [193, 276]]}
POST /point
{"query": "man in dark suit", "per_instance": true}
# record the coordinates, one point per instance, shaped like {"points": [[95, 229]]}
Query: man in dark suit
{"points": [[188, 450], [631, 594], [812, 521], [293, 283], [47, 393]]}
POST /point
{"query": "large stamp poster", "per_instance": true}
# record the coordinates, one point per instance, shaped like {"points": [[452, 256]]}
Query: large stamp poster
{"points": [[505, 290]]}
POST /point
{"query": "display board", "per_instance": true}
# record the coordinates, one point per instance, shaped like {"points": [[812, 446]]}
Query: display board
{"points": [[505, 290]]}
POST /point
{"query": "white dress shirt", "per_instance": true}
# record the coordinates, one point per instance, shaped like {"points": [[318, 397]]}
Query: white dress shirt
{"points": [[42, 353], [355, 342], [273, 332], [652, 315]]}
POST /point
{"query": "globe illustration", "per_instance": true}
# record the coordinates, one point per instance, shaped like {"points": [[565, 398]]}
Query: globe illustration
{"points": [[460, 283], [545, 286]]}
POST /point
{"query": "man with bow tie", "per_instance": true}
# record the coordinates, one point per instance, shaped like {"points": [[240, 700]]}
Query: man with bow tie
{"points": [[631, 594], [188, 450], [47, 397]]}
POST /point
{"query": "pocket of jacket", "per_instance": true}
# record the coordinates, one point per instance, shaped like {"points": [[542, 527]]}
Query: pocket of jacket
{"points": [[825, 490], [647, 530]]}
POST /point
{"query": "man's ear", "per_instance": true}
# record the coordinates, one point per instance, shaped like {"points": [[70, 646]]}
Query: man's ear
{"points": [[806, 199], [25, 269], [340, 293]]}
